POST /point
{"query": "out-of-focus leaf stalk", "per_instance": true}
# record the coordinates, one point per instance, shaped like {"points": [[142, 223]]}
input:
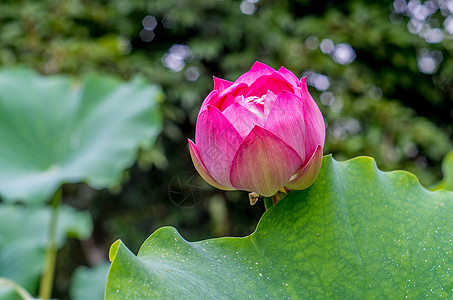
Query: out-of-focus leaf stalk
{"points": [[5, 282], [47, 278]]}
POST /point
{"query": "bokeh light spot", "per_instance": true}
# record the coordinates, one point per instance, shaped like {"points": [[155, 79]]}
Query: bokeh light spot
{"points": [[149, 22], [343, 54], [146, 35], [327, 46], [248, 7]]}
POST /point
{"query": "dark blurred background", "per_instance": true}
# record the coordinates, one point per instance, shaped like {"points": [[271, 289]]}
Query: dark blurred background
{"points": [[380, 71]]}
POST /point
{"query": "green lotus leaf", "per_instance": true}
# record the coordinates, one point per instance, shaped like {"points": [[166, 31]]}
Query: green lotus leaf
{"points": [[89, 283], [56, 130], [356, 233], [447, 168], [24, 236]]}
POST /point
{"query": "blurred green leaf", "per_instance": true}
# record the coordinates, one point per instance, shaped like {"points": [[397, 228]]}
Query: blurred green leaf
{"points": [[89, 283], [9, 293], [24, 237], [9, 290], [447, 168], [55, 130], [356, 233]]}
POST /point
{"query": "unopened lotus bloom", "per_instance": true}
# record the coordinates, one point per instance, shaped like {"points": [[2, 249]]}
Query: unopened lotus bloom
{"points": [[260, 133]]}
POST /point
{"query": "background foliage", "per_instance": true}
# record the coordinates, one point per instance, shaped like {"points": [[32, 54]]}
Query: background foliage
{"points": [[381, 73]]}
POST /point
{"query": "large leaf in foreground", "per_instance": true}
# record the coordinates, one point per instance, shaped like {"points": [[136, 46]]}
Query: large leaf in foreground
{"points": [[55, 130], [356, 233]]}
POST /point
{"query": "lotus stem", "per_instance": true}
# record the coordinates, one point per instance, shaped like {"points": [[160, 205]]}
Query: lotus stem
{"points": [[5, 282], [275, 198], [47, 278]]}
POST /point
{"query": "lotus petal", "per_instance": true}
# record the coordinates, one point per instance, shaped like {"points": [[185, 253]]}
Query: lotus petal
{"points": [[263, 163], [286, 120], [309, 172], [217, 141], [314, 122], [292, 79], [210, 99], [226, 97], [221, 84], [269, 103], [274, 82], [242, 119], [196, 159], [256, 71]]}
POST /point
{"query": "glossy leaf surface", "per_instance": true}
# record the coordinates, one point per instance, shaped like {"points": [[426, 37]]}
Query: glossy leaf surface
{"points": [[356, 233]]}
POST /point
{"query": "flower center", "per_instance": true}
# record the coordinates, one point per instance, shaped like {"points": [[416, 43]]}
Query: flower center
{"points": [[255, 105], [256, 99]]}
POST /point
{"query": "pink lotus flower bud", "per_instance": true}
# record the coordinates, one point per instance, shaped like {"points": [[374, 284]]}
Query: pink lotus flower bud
{"points": [[260, 133]]}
